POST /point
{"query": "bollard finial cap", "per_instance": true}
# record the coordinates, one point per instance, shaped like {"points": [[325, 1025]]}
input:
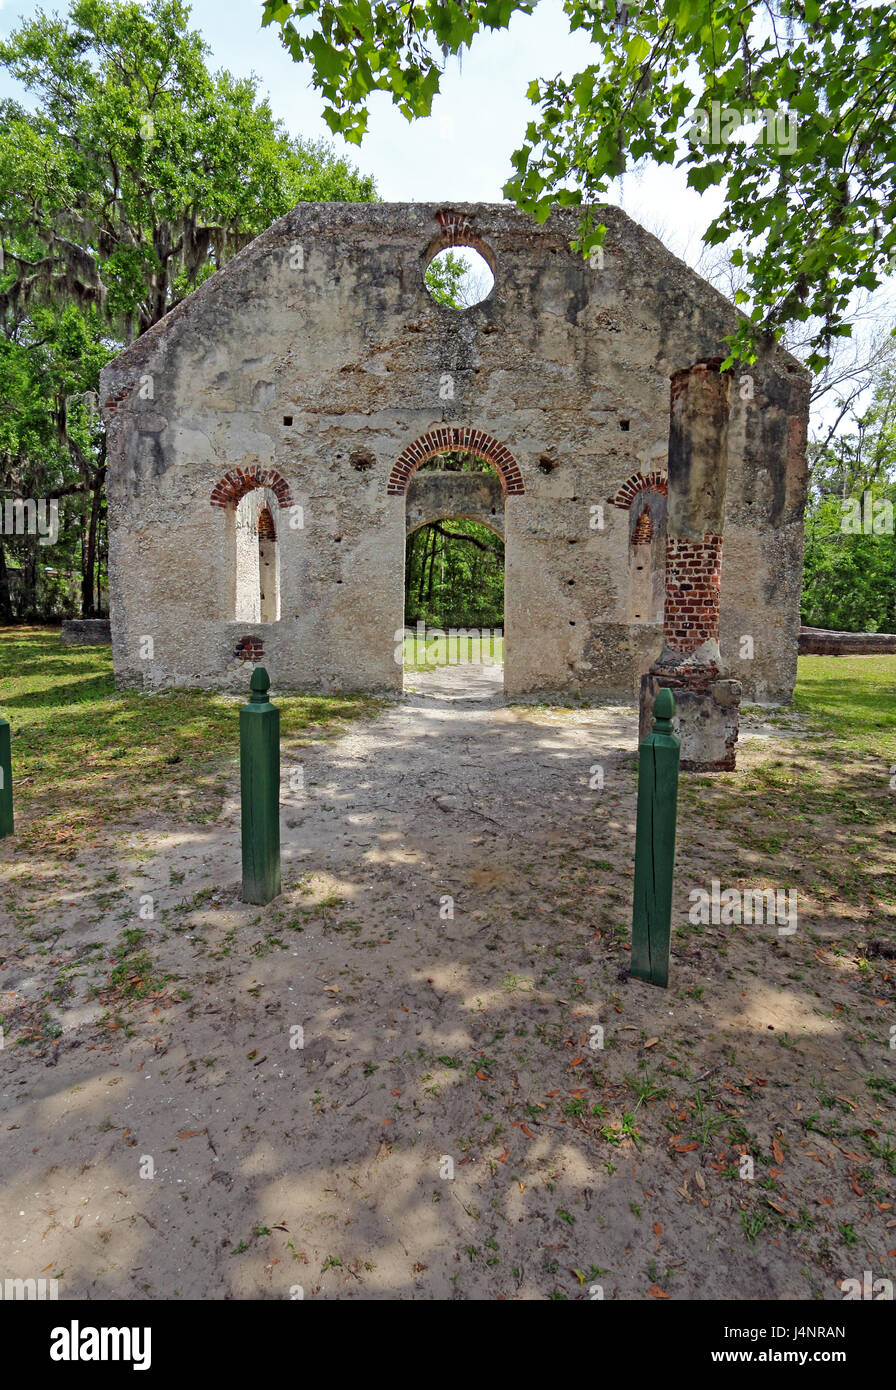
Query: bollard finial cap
{"points": [[663, 710], [260, 684]]}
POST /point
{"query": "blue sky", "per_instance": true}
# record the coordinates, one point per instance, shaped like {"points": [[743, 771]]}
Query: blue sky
{"points": [[463, 151]]}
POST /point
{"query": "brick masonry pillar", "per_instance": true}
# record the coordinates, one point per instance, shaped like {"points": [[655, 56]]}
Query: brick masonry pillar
{"points": [[690, 663], [698, 475]]}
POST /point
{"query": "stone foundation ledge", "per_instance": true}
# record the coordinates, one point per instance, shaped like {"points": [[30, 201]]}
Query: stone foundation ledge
{"points": [[86, 632], [820, 641]]}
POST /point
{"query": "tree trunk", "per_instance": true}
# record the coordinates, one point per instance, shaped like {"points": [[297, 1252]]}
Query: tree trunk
{"points": [[102, 559], [29, 578], [420, 587], [432, 565], [5, 599], [88, 570], [410, 547]]}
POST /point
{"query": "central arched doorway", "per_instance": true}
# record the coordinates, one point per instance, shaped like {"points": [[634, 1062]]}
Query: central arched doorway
{"points": [[455, 482], [454, 572]]}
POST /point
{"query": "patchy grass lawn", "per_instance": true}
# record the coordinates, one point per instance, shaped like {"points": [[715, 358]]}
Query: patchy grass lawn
{"points": [[820, 814], [88, 759]]}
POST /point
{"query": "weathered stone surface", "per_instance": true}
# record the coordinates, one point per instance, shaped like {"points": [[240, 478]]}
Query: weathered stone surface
{"points": [[316, 369], [473, 496], [707, 722]]}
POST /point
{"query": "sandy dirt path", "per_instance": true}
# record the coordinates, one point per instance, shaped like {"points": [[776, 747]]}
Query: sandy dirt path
{"points": [[416, 1073]]}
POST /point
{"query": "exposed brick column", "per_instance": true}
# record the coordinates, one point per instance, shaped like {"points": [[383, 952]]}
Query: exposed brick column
{"points": [[690, 663], [698, 474]]}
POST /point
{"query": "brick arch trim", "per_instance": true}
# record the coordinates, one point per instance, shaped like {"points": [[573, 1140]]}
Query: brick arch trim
{"points": [[235, 484], [455, 229], [459, 437], [656, 482]]}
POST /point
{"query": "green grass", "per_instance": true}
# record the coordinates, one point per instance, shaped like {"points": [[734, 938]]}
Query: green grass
{"points": [[86, 756], [819, 810], [132, 975], [425, 655], [852, 699]]}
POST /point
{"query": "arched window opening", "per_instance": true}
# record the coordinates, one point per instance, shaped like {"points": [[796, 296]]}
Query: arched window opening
{"points": [[457, 461], [255, 558], [647, 557], [459, 266], [643, 532], [268, 567]]}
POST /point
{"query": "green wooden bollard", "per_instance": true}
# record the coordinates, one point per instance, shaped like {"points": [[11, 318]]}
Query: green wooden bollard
{"points": [[655, 845], [6, 826], [260, 792]]}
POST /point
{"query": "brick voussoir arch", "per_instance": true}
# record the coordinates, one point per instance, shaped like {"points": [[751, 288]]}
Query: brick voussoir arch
{"points": [[658, 481], [234, 485], [456, 229], [456, 437]]}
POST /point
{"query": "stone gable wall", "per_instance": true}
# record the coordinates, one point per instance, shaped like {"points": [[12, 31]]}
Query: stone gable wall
{"points": [[316, 366]]}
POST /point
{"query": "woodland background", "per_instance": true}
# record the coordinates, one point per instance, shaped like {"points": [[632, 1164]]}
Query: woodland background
{"points": [[129, 173]]}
